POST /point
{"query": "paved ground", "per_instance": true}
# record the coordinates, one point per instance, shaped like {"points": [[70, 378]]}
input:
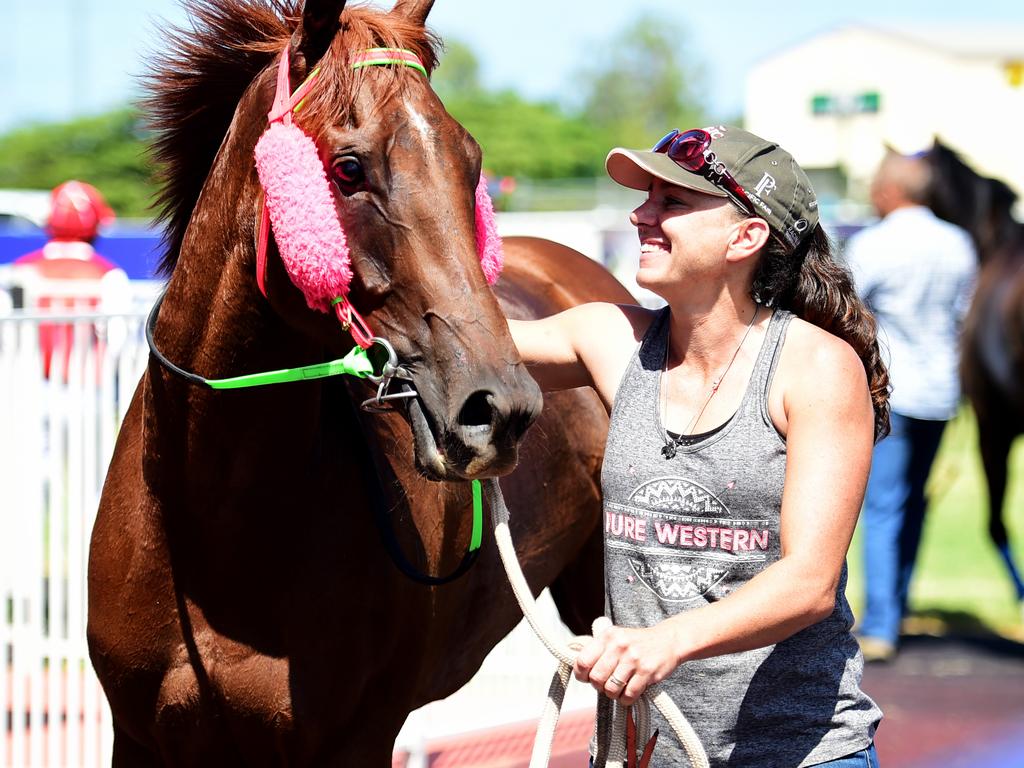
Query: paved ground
{"points": [[950, 701]]}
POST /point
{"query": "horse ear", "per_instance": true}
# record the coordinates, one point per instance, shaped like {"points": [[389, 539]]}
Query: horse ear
{"points": [[321, 20], [414, 10]]}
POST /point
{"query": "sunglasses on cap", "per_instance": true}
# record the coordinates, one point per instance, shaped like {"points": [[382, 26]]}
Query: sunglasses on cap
{"points": [[690, 150]]}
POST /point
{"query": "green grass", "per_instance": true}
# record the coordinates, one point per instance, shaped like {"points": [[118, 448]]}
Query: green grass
{"points": [[960, 576]]}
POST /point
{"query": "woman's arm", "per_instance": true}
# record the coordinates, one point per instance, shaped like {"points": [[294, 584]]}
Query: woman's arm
{"points": [[829, 441], [548, 348], [580, 346]]}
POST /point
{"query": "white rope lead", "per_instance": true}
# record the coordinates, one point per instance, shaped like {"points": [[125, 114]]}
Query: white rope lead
{"points": [[615, 751]]}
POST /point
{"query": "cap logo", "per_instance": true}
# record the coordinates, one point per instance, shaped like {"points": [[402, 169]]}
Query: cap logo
{"points": [[716, 131], [766, 185]]}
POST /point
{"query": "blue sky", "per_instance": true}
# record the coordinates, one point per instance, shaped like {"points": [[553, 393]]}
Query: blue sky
{"points": [[67, 57]]}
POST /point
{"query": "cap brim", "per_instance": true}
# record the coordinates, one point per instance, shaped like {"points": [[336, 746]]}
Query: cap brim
{"points": [[634, 168]]}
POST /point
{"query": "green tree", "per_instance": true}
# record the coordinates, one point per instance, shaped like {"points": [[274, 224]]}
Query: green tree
{"points": [[645, 86], [458, 74], [107, 151], [536, 140], [526, 139]]}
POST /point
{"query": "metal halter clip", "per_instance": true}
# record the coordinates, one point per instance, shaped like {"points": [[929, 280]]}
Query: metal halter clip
{"points": [[390, 371]]}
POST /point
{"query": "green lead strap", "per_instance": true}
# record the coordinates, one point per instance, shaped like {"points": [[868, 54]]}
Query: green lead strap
{"points": [[355, 363], [478, 516]]}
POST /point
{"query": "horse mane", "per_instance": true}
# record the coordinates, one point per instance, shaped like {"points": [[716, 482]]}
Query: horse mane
{"points": [[203, 70]]}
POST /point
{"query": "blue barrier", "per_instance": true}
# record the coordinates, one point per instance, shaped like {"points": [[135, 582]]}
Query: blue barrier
{"points": [[136, 251]]}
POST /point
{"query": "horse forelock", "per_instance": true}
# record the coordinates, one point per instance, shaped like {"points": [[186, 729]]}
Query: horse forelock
{"points": [[331, 100], [204, 69]]}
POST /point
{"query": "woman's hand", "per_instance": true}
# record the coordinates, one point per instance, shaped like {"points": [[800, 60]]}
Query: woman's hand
{"points": [[622, 663]]}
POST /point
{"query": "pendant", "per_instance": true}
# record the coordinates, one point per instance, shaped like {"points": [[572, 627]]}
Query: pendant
{"points": [[669, 450]]}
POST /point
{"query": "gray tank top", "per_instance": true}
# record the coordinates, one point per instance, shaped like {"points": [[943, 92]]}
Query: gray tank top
{"points": [[687, 529]]}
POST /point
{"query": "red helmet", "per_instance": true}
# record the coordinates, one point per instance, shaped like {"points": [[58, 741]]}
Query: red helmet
{"points": [[77, 211]]}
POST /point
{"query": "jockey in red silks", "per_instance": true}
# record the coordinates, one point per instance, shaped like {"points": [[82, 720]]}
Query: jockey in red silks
{"points": [[67, 274]]}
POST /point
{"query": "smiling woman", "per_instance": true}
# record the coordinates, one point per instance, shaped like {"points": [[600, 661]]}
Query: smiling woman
{"points": [[742, 420]]}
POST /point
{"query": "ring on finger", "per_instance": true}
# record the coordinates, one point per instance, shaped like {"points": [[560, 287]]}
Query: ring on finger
{"points": [[616, 682]]}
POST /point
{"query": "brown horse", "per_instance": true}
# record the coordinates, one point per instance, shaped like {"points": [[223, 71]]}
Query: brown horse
{"points": [[243, 608], [992, 352]]}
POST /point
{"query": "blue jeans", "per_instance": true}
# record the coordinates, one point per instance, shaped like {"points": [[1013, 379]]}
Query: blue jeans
{"points": [[894, 507], [866, 758]]}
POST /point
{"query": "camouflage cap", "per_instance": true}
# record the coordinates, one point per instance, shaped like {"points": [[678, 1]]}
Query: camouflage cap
{"points": [[778, 188]]}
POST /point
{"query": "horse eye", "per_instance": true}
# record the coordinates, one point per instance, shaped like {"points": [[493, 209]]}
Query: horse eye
{"points": [[348, 175]]}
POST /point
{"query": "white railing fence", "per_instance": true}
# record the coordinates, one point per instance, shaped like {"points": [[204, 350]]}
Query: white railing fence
{"points": [[56, 437]]}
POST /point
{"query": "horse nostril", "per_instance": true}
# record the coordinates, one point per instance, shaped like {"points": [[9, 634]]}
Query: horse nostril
{"points": [[477, 410]]}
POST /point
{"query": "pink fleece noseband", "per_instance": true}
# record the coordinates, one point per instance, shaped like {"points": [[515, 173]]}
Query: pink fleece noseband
{"points": [[299, 204]]}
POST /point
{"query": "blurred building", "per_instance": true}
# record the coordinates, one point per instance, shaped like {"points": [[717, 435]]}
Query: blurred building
{"points": [[837, 98]]}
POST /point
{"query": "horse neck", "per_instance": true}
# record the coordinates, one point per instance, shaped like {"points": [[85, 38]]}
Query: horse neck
{"points": [[215, 322], [1010, 240], [1000, 241]]}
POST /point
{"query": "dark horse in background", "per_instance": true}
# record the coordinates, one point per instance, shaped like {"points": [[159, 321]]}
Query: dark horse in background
{"points": [[243, 608], [992, 354]]}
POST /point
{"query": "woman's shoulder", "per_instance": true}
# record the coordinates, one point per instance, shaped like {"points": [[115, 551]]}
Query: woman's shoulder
{"points": [[816, 361], [814, 344], [820, 392]]}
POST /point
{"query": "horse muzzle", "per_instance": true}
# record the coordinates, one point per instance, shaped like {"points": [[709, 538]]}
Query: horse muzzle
{"points": [[481, 440]]}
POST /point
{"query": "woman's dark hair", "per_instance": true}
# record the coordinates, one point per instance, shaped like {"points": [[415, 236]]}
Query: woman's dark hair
{"points": [[815, 287]]}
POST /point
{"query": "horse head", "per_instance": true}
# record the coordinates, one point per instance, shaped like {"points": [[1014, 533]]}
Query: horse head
{"points": [[979, 204], [399, 182]]}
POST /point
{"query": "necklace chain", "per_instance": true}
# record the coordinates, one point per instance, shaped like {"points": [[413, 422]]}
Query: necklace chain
{"points": [[669, 451]]}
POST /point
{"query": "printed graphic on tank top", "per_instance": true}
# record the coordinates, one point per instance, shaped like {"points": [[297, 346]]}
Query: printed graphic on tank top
{"points": [[682, 526]]}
